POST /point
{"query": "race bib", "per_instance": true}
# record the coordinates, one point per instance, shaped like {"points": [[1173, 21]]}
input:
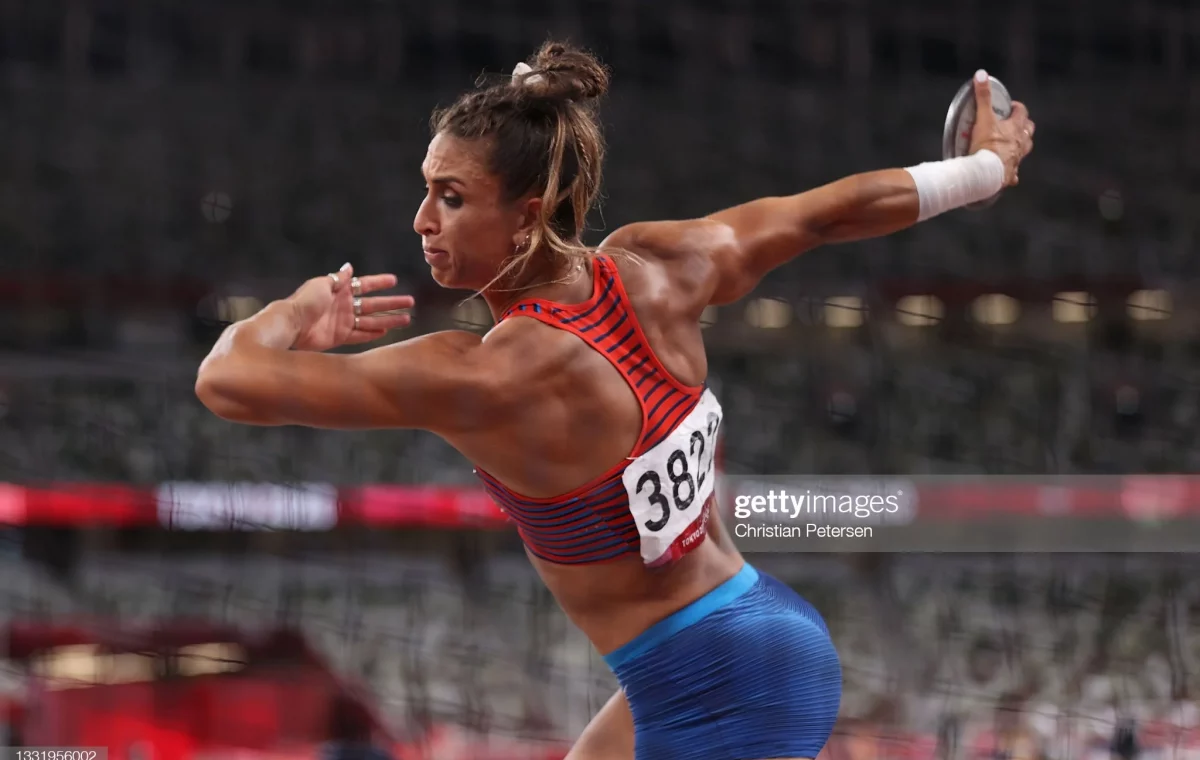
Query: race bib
{"points": [[669, 485]]}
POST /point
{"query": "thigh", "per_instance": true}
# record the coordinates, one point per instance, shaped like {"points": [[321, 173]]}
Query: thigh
{"points": [[609, 735]]}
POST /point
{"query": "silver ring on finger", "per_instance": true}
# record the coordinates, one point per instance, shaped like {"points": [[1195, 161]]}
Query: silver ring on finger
{"points": [[356, 284], [357, 307], [336, 280]]}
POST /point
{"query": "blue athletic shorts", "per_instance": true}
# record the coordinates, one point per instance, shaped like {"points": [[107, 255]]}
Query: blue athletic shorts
{"points": [[745, 672]]}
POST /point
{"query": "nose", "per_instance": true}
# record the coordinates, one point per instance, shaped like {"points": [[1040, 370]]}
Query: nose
{"points": [[425, 223]]}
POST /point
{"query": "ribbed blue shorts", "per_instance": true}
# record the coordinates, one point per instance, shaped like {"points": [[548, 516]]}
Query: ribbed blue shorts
{"points": [[745, 672]]}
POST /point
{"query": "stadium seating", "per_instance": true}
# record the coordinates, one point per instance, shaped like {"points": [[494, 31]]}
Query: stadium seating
{"points": [[1077, 642]]}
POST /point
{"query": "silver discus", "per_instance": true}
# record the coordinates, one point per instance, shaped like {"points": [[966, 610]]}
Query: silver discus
{"points": [[960, 121]]}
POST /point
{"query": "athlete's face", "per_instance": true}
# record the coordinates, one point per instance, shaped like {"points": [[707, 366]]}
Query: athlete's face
{"points": [[467, 229]]}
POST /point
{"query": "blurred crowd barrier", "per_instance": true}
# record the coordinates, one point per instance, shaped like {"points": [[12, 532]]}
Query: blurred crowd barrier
{"points": [[847, 406], [943, 656]]}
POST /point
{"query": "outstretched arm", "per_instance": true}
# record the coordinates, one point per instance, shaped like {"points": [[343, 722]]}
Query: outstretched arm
{"points": [[723, 256], [748, 241]]}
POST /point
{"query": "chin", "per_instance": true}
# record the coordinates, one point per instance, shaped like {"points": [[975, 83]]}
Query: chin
{"points": [[452, 277], [449, 278], [441, 277], [444, 273]]}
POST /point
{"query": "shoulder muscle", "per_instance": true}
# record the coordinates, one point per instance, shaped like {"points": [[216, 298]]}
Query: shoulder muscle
{"points": [[685, 252]]}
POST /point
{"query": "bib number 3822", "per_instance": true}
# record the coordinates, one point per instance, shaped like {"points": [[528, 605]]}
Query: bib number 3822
{"points": [[669, 484]]}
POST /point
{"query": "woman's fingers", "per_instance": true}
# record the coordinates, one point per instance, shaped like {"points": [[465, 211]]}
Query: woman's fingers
{"points": [[371, 283], [364, 336], [341, 278], [376, 304], [382, 322], [367, 329], [374, 316]]}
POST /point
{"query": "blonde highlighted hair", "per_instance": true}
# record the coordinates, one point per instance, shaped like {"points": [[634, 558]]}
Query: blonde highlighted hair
{"points": [[546, 140]]}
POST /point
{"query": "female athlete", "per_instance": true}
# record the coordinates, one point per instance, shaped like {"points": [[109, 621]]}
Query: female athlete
{"points": [[585, 408]]}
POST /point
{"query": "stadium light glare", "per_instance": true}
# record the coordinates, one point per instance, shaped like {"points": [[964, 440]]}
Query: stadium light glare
{"points": [[237, 308], [472, 314], [1149, 305], [845, 311], [920, 311], [769, 313], [1074, 306], [995, 309]]}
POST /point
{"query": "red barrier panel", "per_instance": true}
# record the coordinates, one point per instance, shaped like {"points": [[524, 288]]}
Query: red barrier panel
{"points": [[398, 506], [314, 507], [84, 504]]}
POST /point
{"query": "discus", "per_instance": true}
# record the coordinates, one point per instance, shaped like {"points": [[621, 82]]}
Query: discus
{"points": [[960, 121]]}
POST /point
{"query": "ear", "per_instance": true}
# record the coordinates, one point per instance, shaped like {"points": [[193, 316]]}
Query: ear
{"points": [[529, 211]]}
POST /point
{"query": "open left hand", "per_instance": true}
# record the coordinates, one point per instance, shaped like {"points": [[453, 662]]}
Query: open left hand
{"points": [[334, 310]]}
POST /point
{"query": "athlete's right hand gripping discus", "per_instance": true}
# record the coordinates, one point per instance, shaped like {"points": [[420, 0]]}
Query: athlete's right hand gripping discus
{"points": [[960, 122]]}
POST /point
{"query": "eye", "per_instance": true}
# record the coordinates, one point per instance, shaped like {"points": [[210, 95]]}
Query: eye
{"points": [[453, 201]]}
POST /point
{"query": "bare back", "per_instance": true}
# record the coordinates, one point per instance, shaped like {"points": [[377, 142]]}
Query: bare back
{"points": [[574, 417]]}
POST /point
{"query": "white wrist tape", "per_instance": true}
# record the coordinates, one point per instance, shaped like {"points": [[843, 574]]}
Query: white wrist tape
{"points": [[955, 182]]}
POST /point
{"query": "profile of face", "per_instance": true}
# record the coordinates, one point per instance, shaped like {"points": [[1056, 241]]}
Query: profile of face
{"points": [[468, 230]]}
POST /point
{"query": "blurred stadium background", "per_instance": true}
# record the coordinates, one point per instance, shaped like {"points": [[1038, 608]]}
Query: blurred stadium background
{"points": [[172, 586]]}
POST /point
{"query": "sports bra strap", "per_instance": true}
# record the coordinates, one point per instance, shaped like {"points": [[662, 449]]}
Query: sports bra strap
{"points": [[608, 323]]}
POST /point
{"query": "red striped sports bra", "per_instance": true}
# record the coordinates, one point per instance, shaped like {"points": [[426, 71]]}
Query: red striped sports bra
{"points": [[656, 502]]}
